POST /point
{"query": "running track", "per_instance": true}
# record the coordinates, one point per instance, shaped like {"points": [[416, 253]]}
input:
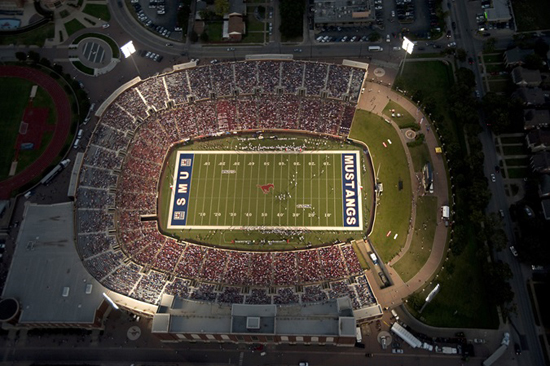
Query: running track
{"points": [[61, 131]]}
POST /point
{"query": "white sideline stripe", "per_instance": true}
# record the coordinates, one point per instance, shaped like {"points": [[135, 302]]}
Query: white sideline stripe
{"points": [[227, 152], [256, 228], [238, 227]]}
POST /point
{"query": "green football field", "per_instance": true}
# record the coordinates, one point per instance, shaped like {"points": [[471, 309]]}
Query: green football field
{"points": [[266, 190]]}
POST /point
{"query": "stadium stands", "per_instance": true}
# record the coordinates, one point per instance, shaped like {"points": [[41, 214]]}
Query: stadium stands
{"points": [[118, 184]]}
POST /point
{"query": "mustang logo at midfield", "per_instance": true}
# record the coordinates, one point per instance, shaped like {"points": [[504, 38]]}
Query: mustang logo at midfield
{"points": [[265, 188]]}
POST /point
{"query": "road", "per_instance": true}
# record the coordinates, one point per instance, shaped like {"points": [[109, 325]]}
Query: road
{"points": [[525, 331]]}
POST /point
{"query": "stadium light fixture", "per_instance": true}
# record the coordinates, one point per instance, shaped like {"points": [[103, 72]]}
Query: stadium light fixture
{"points": [[408, 46], [128, 50], [110, 301]]}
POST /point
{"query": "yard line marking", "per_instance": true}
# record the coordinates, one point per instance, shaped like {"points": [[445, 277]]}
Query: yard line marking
{"points": [[209, 213], [235, 192], [243, 185], [224, 213]]}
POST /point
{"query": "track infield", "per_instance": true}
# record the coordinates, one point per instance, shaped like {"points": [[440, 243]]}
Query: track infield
{"points": [[268, 190]]}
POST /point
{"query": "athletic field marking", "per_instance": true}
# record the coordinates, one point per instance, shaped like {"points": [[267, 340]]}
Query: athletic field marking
{"points": [[267, 190]]}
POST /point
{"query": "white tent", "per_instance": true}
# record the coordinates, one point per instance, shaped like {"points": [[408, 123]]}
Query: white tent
{"points": [[445, 212]]}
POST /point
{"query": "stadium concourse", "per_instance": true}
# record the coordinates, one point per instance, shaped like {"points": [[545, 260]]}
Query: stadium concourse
{"points": [[118, 184]]}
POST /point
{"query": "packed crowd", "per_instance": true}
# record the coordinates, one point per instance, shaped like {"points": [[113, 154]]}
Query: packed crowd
{"points": [[122, 158]]}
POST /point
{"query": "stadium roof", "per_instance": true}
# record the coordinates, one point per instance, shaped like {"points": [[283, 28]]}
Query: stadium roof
{"points": [[47, 276], [183, 316]]}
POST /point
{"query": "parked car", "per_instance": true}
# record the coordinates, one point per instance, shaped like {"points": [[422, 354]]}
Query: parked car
{"points": [[514, 251]]}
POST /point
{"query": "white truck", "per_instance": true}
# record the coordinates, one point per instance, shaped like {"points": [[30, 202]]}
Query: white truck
{"points": [[499, 352], [446, 350]]}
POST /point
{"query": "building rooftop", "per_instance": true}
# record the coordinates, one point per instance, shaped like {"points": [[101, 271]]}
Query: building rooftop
{"points": [[330, 318], [342, 11], [47, 276]]}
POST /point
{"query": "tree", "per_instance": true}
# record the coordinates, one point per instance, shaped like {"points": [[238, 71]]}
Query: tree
{"points": [[221, 7], [461, 54], [373, 37], [499, 239], [496, 277], [292, 17], [489, 45], [204, 37], [44, 61], [58, 68], [34, 56], [21, 56], [193, 37], [541, 47], [466, 76], [533, 62]]}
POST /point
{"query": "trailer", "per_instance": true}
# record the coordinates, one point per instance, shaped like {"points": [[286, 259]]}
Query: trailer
{"points": [[54, 172], [406, 335], [499, 352]]}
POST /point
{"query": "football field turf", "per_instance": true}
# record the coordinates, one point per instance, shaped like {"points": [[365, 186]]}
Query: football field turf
{"points": [[313, 190]]}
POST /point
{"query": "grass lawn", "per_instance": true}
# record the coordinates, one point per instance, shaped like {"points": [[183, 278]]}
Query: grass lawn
{"points": [[425, 55], [99, 11], [517, 162], [394, 205], [406, 119], [73, 26], [35, 37], [214, 31], [495, 67], [516, 173], [421, 246], [109, 40], [513, 140], [542, 290], [257, 37], [253, 24], [85, 69], [14, 96], [530, 15], [27, 157], [514, 150], [462, 301], [433, 79], [43, 99], [420, 156], [498, 86], [491, 58]]}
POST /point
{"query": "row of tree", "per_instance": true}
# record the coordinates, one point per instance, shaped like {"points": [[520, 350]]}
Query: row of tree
{"points": [[459, 129]]}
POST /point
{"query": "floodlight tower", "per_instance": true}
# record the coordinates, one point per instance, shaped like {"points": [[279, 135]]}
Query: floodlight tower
{"points": [[408, 46], [128, 50]]}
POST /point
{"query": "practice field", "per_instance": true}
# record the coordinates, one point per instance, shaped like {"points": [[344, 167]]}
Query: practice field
{"points": [[266, 190]]}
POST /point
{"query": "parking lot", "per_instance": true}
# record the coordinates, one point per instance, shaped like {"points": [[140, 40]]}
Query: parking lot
{"points": [[160, 16], [394, 20]]}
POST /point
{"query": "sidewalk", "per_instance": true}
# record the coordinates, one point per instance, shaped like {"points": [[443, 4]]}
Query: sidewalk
{"points": [[74, 12], [375, 100]]}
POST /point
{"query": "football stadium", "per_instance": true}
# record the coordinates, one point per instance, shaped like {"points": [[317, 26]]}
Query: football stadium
{"points": [[231, 190]]}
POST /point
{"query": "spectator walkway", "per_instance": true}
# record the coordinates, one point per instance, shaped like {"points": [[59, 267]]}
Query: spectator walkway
{"points": [[394, 295]]}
